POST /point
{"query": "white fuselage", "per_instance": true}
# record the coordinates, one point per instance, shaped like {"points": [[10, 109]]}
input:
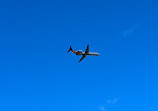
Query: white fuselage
{"points": [[89, 53]]}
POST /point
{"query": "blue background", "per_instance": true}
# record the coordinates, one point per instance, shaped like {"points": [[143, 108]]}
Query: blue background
{"points": [[36, 73]]}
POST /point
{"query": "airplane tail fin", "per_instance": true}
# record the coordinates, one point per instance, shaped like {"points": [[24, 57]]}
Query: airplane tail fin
{"points": [[70, 49]]}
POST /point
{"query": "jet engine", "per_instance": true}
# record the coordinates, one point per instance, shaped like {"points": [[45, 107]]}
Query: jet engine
{"points": [[80, 51]]}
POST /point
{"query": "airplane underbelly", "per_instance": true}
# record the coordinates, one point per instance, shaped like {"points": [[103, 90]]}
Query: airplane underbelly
{"points": [[79, 53]]}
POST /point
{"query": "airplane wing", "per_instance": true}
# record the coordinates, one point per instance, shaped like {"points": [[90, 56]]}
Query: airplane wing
{"points": [[87, 49], [82, 58]]}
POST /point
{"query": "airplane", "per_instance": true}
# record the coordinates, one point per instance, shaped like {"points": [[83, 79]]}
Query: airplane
{"points": [[85, 54]]}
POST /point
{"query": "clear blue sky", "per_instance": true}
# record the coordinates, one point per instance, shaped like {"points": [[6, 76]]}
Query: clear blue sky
{"points": [[37, 74]]}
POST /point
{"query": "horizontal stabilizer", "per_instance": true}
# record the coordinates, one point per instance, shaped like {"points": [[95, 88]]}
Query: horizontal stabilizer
{"points": [[70, 49]]}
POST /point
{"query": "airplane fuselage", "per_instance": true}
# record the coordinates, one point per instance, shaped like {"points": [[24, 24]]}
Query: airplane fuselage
{"points": [[89, 53]]}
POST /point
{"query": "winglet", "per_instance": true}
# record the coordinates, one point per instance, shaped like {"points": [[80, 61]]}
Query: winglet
{"points": [[88, 46]]}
